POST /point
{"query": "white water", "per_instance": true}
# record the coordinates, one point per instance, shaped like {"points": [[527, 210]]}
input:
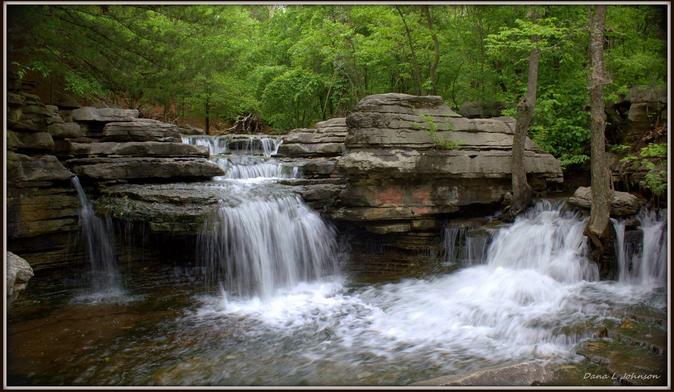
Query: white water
{"points": [[269, 240], [466, 245], [98, 241], [646, 264], [525, 303], [244, 156]]}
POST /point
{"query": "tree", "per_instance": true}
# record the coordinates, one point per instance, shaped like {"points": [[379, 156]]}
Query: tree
{"points": [[525, 111], [598, 229]]}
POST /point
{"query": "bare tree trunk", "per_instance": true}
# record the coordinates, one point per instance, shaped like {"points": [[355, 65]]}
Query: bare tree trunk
{"points": [[436, 50], [598, 229], [415, 63], [525, 112]]}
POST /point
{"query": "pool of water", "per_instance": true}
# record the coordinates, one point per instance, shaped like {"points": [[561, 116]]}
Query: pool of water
{"points": [[167, 329]]}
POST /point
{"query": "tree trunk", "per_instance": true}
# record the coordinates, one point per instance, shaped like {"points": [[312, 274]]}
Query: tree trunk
{"points": [[415, 63], [598, 229], [436, 50], [525, 112]]}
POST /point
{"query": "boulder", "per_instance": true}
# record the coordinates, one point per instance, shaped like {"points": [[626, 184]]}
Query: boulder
{"points": [[138, 149], [622, 203], [475, 109], [132, 168], [32, 141], [19, 273], [89, 113], [141, 130], [64, 130], [24, 168]]}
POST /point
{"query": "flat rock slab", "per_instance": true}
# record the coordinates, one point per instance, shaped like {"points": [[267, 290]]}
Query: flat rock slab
{"points": [[622, 203], [138, 168], [65, 130], [453, 163], [140, 131], [24, 168], [89, 113], [138, 149]]}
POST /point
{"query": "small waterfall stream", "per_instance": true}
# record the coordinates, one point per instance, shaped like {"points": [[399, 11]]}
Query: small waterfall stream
{"points": [[643, 261], [267, 239], [99, 245]]}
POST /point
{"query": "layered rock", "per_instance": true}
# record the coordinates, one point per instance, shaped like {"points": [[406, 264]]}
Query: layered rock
{"points": [[48, 145], [326, 139], [398, 171]]}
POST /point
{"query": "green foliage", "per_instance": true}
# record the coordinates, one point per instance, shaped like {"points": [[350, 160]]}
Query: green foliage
{"points": [[296, 64], [432, 129], [288, 101], [652, 159]]}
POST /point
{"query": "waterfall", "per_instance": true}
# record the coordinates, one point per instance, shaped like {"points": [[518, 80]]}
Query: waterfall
{"points": [[465, 244], [244, 156], [98, 240], [644, 263], [260, 239], [262, 245]]}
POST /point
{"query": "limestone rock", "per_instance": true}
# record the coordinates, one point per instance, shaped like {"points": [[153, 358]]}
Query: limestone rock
{"points": [[145, 168], [138, 149], [327, 139], [34, 141], [24, 168], [19, 273], [89, 113], [622, 203], [64, 130], [141, 130], [36, 211]]}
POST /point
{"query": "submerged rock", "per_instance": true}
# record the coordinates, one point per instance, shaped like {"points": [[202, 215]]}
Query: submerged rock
{"points": [[622, 203], [19, 273], [526, 373]]}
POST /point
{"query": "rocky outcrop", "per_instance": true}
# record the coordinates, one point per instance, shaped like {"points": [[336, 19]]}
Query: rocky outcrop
{"points": [[622, 203], [398, 170], [326, 139], [19, 273], [48, 145]]}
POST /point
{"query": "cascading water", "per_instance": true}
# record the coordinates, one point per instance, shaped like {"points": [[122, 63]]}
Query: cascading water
{"points": [[261, 239], [244, 156], [98, 240], [645, 264], [531, 300], [466, 245], [262, 245]]}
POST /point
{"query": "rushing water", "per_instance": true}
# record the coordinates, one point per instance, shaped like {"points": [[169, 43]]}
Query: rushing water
{"points": [[644, 261], [99, 246], [285, 315]]}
